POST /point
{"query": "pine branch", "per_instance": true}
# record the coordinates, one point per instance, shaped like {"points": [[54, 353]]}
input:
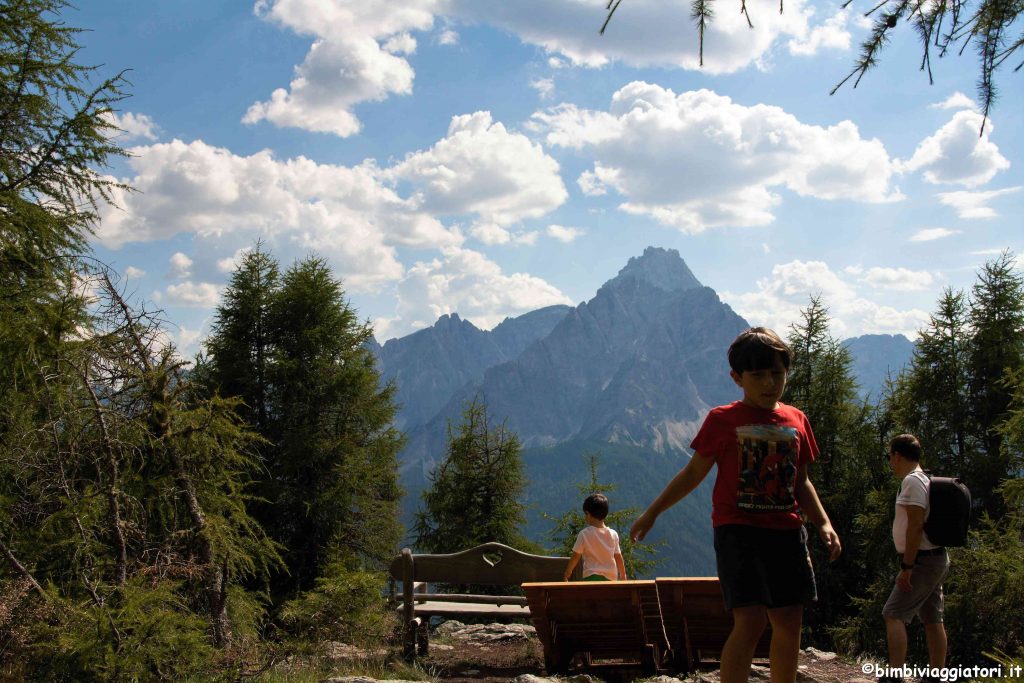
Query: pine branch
{"points": [[702, 14]]}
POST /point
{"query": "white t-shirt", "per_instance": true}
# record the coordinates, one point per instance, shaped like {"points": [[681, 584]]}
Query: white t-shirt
{"points": [[598, 545], [913, 491]]}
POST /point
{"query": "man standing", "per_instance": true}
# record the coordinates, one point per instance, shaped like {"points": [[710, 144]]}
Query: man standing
{"points": [[923, 566]]}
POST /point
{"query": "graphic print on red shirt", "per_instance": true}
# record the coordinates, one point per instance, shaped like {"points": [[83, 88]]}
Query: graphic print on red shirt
{"points": [[767, 466]]}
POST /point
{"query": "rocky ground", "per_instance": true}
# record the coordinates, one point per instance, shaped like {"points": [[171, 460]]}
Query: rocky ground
{"points": [[489, 653]]}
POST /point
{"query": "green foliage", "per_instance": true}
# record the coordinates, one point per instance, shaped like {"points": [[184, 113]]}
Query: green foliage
{"points": [[639, 558], [476, 490], [996, 347], [142, 631], [344, 606], [985, 587], [293, 350]]}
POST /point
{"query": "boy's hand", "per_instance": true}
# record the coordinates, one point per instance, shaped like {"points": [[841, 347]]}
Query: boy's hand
{"points": [[831, 540], [641, 526]]}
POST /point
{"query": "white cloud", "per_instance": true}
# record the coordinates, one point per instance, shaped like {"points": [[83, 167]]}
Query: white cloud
{"points": [[778, 300], [229, 264], [402, 44], [180, 265], [468, 283], [956, 154], [492, 234], [697, 160], [565, 234], [831, 34], [481, 168], [545, 87], [346, 64], [975, 204], [957, 100], [192, 295], [899, 279], [133, 126], [348, 215], [644, 33], [186, 341], [930, 234], [133, 272]]}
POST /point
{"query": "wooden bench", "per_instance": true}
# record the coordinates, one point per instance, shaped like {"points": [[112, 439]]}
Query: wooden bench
{"points": [[618, 622], [696, 621], [491, 564]]}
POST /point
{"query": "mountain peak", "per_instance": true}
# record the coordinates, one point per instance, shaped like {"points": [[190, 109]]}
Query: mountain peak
{"points": [[663, 268]]}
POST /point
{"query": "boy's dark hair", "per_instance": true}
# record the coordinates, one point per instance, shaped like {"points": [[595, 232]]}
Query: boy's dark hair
{"points": [[906, 445], [597, 505], [757, 349]]}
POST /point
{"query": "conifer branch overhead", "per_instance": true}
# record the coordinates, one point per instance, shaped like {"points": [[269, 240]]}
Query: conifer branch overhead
{"points": [[992, 28]]}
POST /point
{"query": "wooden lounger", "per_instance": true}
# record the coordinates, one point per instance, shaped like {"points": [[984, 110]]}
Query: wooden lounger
{"points": [[614, 620], [696, 621]]}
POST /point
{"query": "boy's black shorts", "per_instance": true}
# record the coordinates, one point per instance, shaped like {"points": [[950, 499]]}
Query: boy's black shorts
{"points": [[767, 567]]}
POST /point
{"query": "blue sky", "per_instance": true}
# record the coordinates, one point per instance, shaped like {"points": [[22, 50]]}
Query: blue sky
{"points": [[487, 158]]}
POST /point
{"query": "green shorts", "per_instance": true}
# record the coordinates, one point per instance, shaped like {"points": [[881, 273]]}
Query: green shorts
{"points": [[596, 577]]}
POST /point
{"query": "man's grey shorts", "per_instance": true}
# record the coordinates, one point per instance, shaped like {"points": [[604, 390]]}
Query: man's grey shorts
{"points": [[925, 596]]}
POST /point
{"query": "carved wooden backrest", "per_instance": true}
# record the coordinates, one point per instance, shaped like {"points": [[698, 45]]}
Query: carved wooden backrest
{"points": [[490, 564]]}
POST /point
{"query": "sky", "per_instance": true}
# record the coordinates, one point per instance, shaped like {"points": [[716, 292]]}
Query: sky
{"points": [[488, 158]]}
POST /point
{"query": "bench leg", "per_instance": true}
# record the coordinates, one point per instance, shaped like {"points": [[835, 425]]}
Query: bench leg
{"points": [[423, 639], [409, 639], [557, 661], [649, 660]]}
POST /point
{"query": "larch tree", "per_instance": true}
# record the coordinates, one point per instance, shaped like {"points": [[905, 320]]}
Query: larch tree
{"points": [[292, 348], [475, 493], [996, 317]]}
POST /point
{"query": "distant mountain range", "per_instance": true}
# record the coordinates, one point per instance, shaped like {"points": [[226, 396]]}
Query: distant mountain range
{"points": [[628, 374]]}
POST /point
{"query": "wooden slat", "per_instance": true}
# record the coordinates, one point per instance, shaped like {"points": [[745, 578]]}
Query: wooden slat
{"points": [[444, 608]]}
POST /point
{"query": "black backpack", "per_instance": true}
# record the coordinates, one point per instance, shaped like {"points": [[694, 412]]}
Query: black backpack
{"points": [[949, 511]]}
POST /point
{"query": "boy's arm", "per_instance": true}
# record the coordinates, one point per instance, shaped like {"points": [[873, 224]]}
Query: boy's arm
{"points": [[573, 561], [621, 565], [807, 496], [681, 485]]}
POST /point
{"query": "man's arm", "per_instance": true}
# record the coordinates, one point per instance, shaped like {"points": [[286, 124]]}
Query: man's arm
{"points": [[573, 561], [915, 531], [621, 566], [681, 485], [807, 496]]}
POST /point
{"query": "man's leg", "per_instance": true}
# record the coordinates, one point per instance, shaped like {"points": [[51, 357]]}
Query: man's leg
{"points": [[738, 652], [896, 637], [935, 636], [785, 649]]}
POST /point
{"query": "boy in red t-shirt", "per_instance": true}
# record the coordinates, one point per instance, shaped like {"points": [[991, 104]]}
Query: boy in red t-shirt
{"points": [[762, 448]]}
